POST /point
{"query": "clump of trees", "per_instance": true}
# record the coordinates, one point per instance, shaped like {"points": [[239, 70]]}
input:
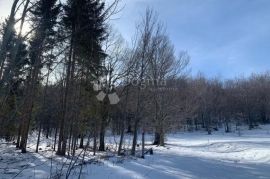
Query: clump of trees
{"points": [[231, 102], [65, 75]]}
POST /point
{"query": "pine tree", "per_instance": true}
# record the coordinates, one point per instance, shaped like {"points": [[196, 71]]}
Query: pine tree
{"points": [[12, 88], [9, 45], [85, 24], [44, 18], [8, 32], [85, 21]]}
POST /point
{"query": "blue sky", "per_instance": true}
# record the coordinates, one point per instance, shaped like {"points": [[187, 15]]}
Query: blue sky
{"points": [[225, 38]]}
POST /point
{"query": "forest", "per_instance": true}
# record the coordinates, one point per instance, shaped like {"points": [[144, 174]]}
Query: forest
{"points": [[67, 74]]}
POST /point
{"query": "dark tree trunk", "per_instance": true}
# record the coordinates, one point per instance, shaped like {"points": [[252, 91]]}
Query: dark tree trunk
{"points": [[19, 137], [250, 121], [102, 139], [81, 142], [121, 140], [95, 140], [129, 130], [55, 138], [157, 139], [135, 135], [227, 127], [196, 124], [38, 140], [47, 132], [143, 142], [25, 128]]}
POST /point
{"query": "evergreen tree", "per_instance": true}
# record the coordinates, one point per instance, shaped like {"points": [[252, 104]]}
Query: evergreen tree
{"points": [[12, 89], [44, 18], [85, 24], [8, 33], [9, 45], [85, 21]]}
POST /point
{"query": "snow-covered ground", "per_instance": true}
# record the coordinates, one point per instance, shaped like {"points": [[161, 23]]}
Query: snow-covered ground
{"points": [[186, 155]]}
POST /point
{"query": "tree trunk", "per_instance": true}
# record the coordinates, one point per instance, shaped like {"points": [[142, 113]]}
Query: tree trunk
{"points": [[135, 135], [143, 142], [162, 138], [19, 137], [102, 138], [121, 141], [39, 131], [61, 150], [74, 143], [95, 140], [25, 126], [81, 142], [55, 138], [157, 139]]}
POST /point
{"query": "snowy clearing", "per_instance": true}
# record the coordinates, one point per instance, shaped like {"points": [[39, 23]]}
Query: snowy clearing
{"points": [[186, 155]]}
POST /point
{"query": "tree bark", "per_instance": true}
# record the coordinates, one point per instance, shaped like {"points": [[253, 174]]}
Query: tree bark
{"points": [[81, 142], [38, 139], [135, 135], [143, 142], [19, 136], [102, 138]]}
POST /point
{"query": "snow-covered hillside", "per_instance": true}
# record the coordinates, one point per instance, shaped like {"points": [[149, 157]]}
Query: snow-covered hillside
{"points": [[186, 155]]}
